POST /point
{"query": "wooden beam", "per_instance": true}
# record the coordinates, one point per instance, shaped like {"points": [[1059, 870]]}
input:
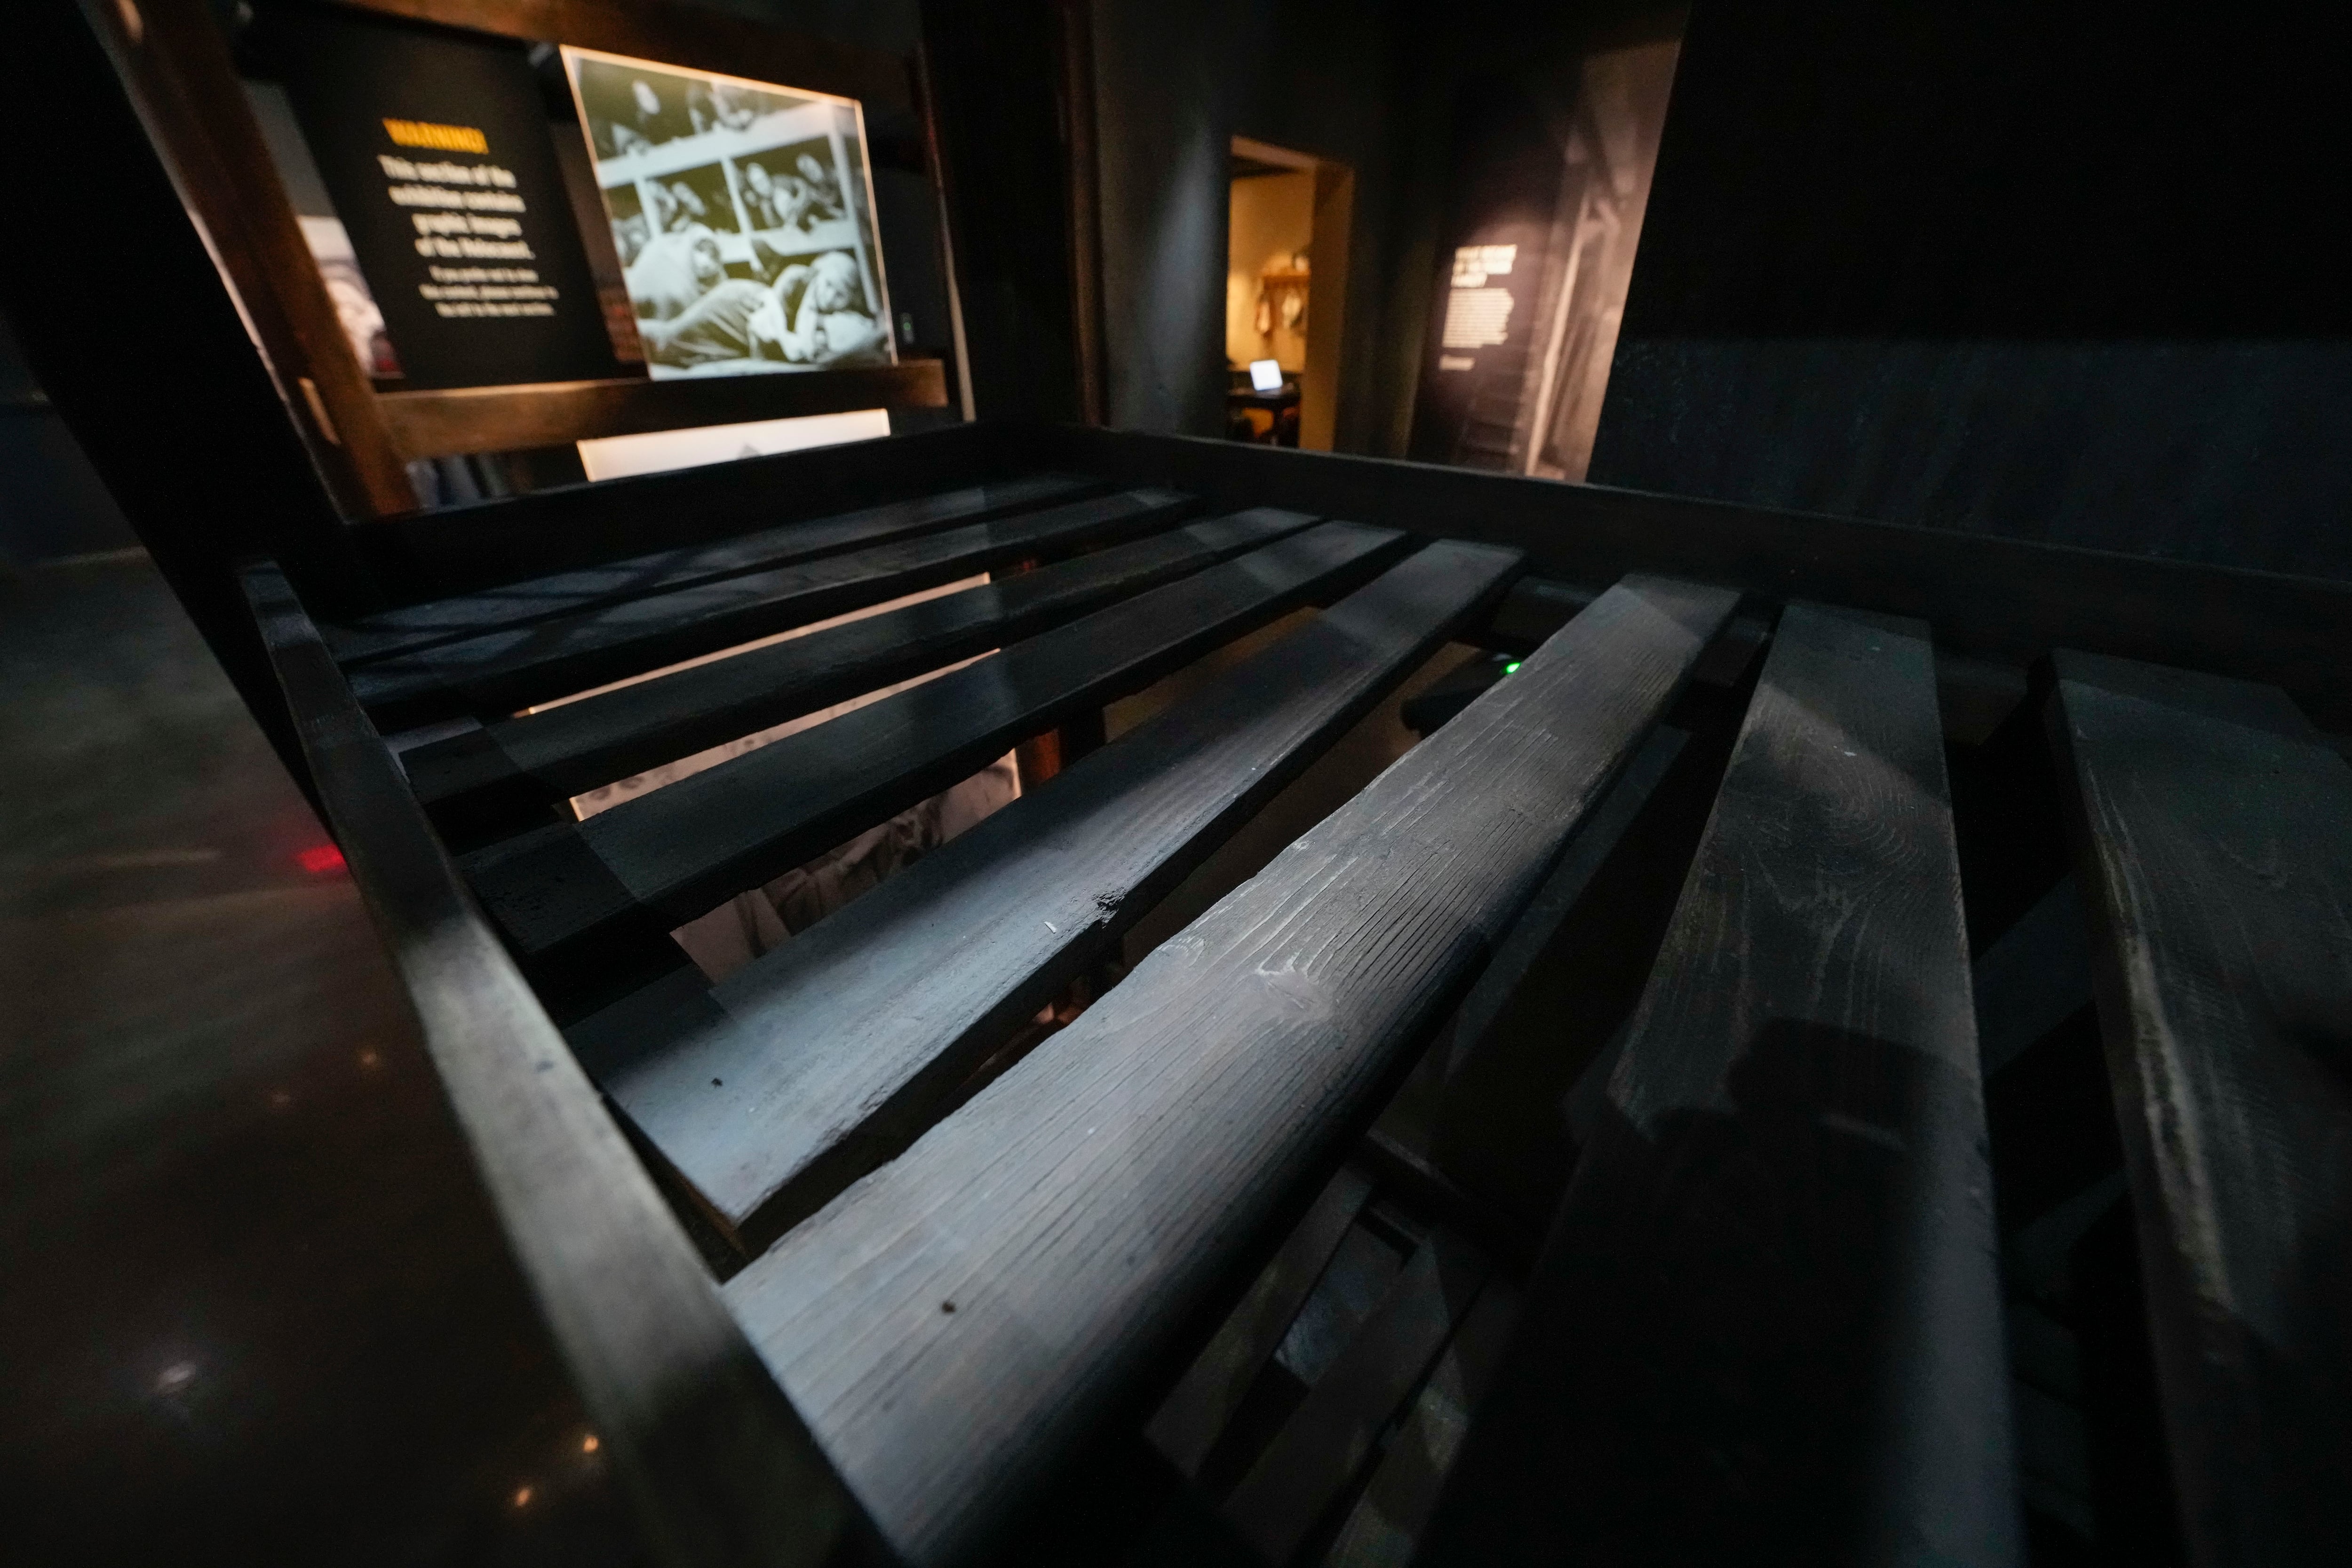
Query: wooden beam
{"points": [[498, 672], [561, 594], [712, 1460], [957, 1324], [548, 414], [2009, 599], [837, 1049], [1388, 1519], [490, 544], [1767, 1324], [1332, 1433], [497, 777], [675, 35], [178, 67], [2214, 850], [1193, 1416], [564, 895]]}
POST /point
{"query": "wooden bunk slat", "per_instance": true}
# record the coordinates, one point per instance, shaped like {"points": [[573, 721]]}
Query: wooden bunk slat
{"points": [[1191, 1419], [415, 626], [1388, 1519], [563, 891], [2214, 853], [486, 778], [1332, 1433], [955, 1324], [834, 1050], [1767, 1323], [495, 673]]}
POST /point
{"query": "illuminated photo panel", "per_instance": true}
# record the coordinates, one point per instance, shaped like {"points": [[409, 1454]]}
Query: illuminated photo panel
{"points": [[743, 217]]}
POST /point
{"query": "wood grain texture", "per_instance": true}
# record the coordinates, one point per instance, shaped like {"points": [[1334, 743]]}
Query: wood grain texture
{"points": [[546, 413], [499, 773], [561, 892], [1193, 1417], [834, 1050], [2214, 850], [499, 671], [436, 621], [1767, 1323], [715, 1463], [1333, 1432], [956, 1324]]}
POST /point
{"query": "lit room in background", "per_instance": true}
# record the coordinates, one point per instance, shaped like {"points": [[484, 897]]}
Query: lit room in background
{"points": [[743, 217]]}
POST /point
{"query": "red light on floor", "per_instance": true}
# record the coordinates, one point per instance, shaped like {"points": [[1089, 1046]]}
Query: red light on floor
{"points": [[320, 860]]}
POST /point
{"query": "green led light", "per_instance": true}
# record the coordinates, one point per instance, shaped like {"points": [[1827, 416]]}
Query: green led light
{"points": [[1512, 668]]}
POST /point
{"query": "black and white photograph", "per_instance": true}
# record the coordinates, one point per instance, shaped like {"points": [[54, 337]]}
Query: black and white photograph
{"points": [[742, 216]]}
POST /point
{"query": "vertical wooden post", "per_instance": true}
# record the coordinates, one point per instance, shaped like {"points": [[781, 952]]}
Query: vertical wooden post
{"points": [[171, 55], [1077, 52]]}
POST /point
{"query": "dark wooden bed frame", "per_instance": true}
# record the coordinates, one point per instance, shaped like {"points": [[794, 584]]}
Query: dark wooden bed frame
{"points": [[849, 1257], [1855, 1009]]}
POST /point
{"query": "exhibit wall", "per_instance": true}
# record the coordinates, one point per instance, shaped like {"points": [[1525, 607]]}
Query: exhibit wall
{"points": [[1174, 86], [2059, 273]]}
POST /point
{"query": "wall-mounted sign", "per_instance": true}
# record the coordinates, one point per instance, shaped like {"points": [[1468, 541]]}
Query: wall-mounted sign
{"points": [[435, 151], [743, 217]]}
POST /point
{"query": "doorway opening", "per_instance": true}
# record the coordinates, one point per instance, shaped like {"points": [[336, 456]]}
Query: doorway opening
{"points": [[1285, 293]]}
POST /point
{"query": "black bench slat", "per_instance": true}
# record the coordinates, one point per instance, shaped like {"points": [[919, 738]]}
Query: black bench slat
{"points": [[955, 1325], [495, 673], [561, 893], [831, 1051], [1332, 1433], [415, 626], [1393, 1510], [2214, 854], [1193, 1416], [486, 779], [1767, 1323]]}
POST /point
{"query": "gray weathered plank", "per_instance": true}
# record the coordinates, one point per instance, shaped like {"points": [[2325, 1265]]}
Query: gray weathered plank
{"points": [[772, 1092], [1767, 1323], [497, 775], [1191, 1419], [1333, 1432], [957, 1323], [498, 672], [565, 893], [414, 627], [2214, 850], [1386, 1523]]}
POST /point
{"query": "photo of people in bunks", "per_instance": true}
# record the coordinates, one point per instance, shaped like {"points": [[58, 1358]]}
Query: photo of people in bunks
{"points": [[743, 217]]}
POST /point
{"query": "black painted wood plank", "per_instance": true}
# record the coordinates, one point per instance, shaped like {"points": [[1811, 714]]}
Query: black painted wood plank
{"points": [[487, 778], [1767, 1323], [561, 892], [2214, 852], [956, 1324], [1193, 1417], [1387, 1521], [713, 1461], [414, 627], [1333, 1432], [833, 1051], [495, 673]]}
